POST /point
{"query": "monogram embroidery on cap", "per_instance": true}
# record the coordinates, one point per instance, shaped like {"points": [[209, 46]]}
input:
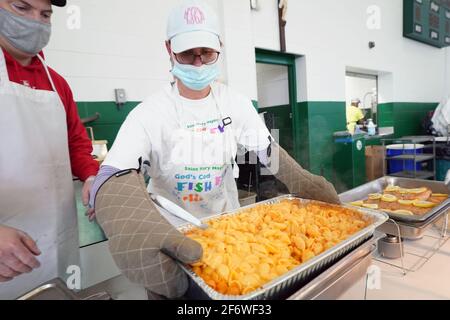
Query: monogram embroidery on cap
{"points": [[193, 15]]}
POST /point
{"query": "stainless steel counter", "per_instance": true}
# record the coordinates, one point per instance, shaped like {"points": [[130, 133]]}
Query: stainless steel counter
{"points": [[117, 288]]}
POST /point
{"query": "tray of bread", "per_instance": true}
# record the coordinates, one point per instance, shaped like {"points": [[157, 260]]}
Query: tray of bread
{"points": [[408, 200], [268, 250]]}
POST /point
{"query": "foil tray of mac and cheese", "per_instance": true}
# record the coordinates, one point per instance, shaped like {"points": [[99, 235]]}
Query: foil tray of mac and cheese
{"points": [[290, 282]]}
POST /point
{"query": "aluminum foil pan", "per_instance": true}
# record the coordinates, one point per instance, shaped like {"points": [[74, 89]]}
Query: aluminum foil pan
{"points": [[287, 284]]}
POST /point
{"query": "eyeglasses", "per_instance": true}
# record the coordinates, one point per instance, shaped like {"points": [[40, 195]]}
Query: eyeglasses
{"points": [[188, 57]]}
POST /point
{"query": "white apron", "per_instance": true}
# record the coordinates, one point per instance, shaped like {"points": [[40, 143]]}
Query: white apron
{"points": [[197, 169], [36, 188]]}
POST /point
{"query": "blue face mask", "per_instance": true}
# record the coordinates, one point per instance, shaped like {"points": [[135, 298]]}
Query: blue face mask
{"points": [[196, 78]]}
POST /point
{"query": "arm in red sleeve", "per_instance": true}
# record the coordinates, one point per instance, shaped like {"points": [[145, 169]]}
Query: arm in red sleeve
{"points": [[80, 146]]}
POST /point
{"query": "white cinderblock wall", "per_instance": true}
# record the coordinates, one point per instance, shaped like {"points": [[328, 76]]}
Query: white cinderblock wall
{"points": [[447, 73], [121, 45]]}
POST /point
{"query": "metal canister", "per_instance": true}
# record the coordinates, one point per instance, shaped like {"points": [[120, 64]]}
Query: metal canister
{"points": [[390, 247]]}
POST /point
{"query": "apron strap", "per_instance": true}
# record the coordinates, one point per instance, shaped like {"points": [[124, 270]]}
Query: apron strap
{"points": [[48, 73], [3, 70], [228, 132]]}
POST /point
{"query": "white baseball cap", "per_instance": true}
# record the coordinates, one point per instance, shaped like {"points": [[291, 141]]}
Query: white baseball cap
{"points": [[193, 24]]}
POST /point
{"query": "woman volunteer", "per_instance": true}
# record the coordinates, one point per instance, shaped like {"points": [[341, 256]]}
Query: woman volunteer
{"points": [[188, 135]]}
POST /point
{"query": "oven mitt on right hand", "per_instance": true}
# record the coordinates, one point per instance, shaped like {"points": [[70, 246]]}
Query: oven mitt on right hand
{"points": [[142, 242]]}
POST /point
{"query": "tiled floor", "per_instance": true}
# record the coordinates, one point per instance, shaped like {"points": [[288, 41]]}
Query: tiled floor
{"points": [[429, 275]]}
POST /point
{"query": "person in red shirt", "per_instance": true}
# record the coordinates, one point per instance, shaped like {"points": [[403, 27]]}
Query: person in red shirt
{"points": [[60, 149]]}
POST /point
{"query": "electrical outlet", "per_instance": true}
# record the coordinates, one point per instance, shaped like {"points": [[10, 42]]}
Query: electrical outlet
{"points": [[121, 97]]}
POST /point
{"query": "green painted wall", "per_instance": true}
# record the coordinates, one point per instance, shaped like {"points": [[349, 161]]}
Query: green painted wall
{"points": [[317, 121], [385, 115], [111, 118], [406, 117], [303, 129], [325, 118], [283, 122]]}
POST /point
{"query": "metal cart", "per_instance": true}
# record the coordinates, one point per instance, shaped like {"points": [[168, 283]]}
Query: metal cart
{"points": [[415, 157]]}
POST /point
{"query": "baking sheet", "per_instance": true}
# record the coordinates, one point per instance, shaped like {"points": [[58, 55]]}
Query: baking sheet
{"points": [[377, 186]]}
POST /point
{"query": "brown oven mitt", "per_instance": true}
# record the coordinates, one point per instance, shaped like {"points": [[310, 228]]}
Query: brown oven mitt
{"points": [[142, 242], [300, 181]]}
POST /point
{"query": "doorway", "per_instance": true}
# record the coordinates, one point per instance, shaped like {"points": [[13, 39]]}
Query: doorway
{"points": [[273, 101], [277, 95], [277, 100], [363, 88]]}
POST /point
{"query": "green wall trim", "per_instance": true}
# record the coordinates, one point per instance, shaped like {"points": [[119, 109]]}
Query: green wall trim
{"points": [[275, 57]]}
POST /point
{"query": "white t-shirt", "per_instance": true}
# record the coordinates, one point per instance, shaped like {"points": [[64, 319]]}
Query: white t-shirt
{"points": [[148, 128]]}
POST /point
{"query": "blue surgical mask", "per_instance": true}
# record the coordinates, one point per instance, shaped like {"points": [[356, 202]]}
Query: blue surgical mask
{"points": [[196, 78]]}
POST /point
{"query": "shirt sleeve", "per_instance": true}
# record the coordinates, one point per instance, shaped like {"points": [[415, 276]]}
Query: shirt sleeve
{"points": [[253, 135], [132, 142], [103, 175], [360, 114], [83, 165]]}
